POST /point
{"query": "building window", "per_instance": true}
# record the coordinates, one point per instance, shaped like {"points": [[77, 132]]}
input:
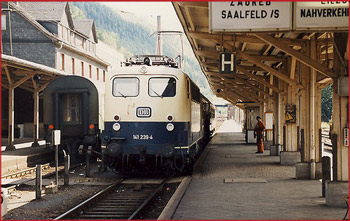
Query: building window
{"points": [[71, 37], [3, 22], [82, 68], [104, 76], [90, 71], [62, 58], [97, 73], [73, 66]]}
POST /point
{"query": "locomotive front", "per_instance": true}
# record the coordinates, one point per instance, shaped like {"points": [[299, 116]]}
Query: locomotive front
{"points": [[146, 119]]}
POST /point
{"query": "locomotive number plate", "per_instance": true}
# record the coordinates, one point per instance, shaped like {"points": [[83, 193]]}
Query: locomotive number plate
{"points": [[142, 137], [143, 112]]}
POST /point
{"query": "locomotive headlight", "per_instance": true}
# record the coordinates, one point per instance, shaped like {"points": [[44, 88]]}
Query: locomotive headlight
{"points": [[143, 70], [117, 118], [170, 118], [116, 126], [170, 127]]}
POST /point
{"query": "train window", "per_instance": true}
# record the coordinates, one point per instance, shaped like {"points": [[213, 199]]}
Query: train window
{"points": [[162, 87], [126, 87], [72, 108]]}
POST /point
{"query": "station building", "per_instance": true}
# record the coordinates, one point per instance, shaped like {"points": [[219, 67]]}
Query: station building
{"points": [[41, 41]]}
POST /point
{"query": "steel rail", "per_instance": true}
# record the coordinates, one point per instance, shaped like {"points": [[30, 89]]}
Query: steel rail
{"points": [[13, 187], [145, 203], [85, 203], [96, 199], [24, 172]]}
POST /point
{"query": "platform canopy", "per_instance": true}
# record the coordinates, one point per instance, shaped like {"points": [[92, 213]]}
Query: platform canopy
{"points": [[17, 72], [30, 76], [259, 54]]}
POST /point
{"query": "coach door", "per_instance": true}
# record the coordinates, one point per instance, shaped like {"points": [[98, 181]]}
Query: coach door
{"points": [[72, 114]]}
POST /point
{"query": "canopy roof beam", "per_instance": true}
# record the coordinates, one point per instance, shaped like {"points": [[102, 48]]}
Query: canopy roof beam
{"points": [[299, 56]]}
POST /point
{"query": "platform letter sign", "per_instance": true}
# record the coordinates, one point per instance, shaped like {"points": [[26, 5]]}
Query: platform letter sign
{"points": [[324, 15], [227, 63], [250, 16]]}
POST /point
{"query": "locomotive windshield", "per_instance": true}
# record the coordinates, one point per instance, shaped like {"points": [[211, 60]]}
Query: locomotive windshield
{"points": [[162, 87], [125, 87]]}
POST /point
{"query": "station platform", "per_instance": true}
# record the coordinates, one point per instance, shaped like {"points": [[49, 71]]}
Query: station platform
{"points": [[25, 156], [236, 183]]}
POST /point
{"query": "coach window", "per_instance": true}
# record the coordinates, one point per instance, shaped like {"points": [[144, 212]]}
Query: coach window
{"points": [[162, 87], [72, 106], [126, 87]]}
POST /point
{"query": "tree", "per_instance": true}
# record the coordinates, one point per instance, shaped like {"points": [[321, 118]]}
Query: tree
{"points": [[326, 103]]}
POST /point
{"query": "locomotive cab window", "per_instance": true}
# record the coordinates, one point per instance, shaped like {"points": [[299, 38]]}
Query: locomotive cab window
{"points": [[162, 87], [72, 109], [125, 87]]}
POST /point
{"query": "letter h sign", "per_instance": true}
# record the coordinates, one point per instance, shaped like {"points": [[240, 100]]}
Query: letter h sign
{"points": [[227, 63]]}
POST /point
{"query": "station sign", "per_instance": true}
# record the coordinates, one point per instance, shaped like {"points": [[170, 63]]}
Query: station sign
{"points": [[250, 16], [324, 15]]}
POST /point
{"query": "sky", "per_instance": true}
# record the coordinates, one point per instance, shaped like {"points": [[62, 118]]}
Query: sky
{"points": [[149, 12]]}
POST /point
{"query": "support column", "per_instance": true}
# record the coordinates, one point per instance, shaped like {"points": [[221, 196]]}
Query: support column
{"points": [[36, 115], [338, 189], [269, 108], [312, 113], [318, 121], [11, 120], [305, 104], [291, 128], [280, 115], [276, 117], [340, 108], [310, 119]]}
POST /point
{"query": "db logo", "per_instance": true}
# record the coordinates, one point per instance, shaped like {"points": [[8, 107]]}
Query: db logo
{"points": [[143, 112]]}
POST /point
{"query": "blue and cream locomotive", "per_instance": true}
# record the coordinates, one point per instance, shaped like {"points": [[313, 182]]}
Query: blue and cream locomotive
{"points": [[155, 117]]}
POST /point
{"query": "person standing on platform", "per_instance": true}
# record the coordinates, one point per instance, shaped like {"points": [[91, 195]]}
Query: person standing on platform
{"points": [[259, 133]]}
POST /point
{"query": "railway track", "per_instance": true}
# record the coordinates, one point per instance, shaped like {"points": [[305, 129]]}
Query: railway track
{"points": [[118, 201], [46, 168], [29, 175]]}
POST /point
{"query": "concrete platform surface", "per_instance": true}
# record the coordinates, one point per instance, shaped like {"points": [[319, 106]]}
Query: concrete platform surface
{"points": [[247, 197], [25, 157], [21, 143]]}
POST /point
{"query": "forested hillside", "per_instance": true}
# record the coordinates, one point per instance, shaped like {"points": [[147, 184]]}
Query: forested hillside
{"points": [[132, 38]]}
